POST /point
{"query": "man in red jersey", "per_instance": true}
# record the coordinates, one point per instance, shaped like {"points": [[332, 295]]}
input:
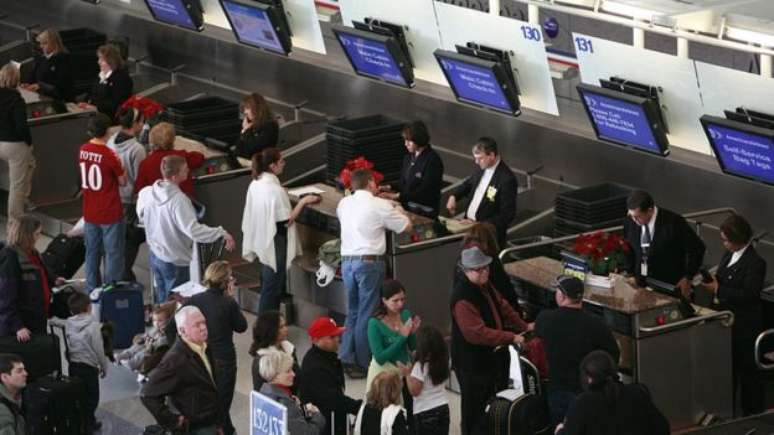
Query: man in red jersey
{"points": [[103, 215]]}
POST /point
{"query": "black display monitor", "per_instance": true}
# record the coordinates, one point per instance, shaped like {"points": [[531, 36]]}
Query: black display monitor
{"points": [[258, 25], [741, 149], [479, 82], [182, 13], [625, 119], [375, 56]]}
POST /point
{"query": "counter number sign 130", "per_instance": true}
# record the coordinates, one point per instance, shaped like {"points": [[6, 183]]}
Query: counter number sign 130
{"points": [[267, 417], [531, 33], [583, 45]]}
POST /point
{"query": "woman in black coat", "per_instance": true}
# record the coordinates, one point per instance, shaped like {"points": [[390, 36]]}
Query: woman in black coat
{"points": [[608, 407], [259, 129], [51, 73], [224, 318], [737, 287], [115, 85], [25, 287]]}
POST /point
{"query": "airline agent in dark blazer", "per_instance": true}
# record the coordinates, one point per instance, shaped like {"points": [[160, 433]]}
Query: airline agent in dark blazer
{"points": [[664, 246], [420, 174], [492, 187], [737, 286]]}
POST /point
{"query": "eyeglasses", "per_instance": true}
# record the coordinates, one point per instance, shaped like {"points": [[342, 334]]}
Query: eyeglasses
{"points": [[478, 269]]}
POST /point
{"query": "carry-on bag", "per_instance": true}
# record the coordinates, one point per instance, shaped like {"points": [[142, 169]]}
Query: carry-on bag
{"points": [[37, 354], [121, 304], [65, 255]]}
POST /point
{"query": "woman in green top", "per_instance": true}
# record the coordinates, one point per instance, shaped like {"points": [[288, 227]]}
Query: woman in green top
{"points": [[391, 333]]}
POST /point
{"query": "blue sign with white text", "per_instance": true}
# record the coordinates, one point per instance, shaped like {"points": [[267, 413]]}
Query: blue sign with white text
{"points": [[171, 12], [621, 121], [253, 26], [267, 417], [475, 84], [743, 153], [372, 58]]}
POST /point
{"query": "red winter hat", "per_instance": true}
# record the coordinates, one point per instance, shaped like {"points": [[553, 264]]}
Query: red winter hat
{"points": [[324, 327]]}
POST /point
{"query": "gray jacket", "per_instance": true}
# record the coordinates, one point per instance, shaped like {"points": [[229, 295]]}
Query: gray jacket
{"points": [[131, 152], [84, 336], [11, 420], [298, 424]]}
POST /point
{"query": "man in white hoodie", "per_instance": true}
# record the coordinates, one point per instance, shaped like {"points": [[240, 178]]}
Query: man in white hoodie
{"points": [[171, 227]]}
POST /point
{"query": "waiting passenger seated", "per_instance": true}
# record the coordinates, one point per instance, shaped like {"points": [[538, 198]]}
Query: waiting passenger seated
{"points": [[148, 349], [608, 407]]}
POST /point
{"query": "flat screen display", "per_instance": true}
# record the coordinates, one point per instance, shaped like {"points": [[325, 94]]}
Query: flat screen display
{"points": [[254, 24], [375, 56], [175, 12], [743, 150], [478, 82], [624, 119]]}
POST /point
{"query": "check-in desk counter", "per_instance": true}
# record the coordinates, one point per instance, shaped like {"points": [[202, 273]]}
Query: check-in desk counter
{"points": [[685, 362], [412, 258], [58, 131]]}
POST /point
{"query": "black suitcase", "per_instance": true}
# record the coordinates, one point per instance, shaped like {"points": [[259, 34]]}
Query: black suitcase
{"points": [[37, 354], [525, 414], [54, 404], [65, 255]]}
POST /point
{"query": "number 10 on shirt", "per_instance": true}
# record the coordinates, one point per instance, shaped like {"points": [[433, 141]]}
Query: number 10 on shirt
{"points": [[91, 176]]}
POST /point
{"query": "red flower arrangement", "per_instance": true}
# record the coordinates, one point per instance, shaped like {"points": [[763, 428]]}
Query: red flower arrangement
{"points": [[359, 162], [604, 251], [148, 107]]}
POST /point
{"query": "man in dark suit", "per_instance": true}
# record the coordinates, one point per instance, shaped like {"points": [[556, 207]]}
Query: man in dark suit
{"points": [[493, 188], [663, 245], [421, 173], [186, 375], [737, 287]]}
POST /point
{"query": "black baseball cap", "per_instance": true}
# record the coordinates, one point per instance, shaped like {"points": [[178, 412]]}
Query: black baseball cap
{"points": [[571, 286]]}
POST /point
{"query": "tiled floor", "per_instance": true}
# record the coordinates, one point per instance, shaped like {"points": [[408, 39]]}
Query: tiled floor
{"points": [[122, 413]]}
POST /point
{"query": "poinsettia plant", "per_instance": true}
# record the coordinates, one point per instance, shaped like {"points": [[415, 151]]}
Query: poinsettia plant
{"points": [[360, 162], [147, 106], [603, 251]]}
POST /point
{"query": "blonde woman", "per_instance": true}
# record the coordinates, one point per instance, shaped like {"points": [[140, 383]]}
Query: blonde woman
{"points": [[382, 413], [15, 141], [224, 318], [115, 85], [51, 73]]}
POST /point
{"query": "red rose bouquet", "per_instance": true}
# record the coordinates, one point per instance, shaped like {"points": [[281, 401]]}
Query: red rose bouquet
{"points": [[603, 251], [148, 107], [359, 162]]}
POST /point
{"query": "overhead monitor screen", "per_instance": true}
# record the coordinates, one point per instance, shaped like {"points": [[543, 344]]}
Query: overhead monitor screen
{"points": [[175, 12], [255, 24], [741, 149], [624, 119], [478, 82], [375, 56]]}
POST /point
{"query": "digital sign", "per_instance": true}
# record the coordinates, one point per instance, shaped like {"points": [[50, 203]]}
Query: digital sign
{"points": [[742, 150], [477, 81], [253, 25], [173, 12], [375, 56], [624, 119]]}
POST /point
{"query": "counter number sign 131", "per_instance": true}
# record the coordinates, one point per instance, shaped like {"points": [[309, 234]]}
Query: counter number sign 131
{"points": [[583, 45], [267, 417]]}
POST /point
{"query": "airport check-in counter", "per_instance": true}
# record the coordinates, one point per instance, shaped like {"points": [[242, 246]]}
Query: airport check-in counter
{"points": [[684, 361], [423, 265]]}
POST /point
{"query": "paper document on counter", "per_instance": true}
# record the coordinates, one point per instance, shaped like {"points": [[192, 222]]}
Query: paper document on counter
{"points": [[305, 191]]}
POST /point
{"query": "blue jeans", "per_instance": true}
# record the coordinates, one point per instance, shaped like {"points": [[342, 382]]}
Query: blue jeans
{"points": [[167, 276], [273, 282], [107, 240], [558, 404], [363, 280]]}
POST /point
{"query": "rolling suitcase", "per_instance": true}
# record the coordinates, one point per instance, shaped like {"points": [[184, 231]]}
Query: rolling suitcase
{"points": [[53, 404], [36, 354], [65, 255], [520, 409], [121, 304]]}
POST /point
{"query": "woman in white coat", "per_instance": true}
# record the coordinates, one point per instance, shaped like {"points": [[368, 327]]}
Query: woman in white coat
{"points": [[267, 226]]}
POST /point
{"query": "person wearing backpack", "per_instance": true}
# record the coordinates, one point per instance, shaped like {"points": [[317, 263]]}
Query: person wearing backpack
{"points": [[13, 379]]}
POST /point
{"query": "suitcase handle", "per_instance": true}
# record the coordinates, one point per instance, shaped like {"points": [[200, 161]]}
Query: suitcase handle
{"points": [[66, 346]]}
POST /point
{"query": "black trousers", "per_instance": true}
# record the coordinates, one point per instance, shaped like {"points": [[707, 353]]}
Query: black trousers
{"points": [[748, 382], [433, 421], [135, 236], [475, 390], [90, 377], [226, 383]]}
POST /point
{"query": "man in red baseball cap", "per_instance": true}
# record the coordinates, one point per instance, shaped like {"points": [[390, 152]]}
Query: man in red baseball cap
{"points": [[322, 376]]}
